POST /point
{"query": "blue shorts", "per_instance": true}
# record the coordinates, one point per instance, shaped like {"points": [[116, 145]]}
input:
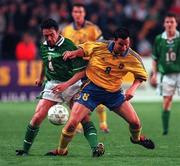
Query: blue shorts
{"points": [[91, 96]]}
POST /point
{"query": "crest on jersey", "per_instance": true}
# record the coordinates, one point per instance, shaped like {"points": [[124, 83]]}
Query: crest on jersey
{"points": [[49, 58]]}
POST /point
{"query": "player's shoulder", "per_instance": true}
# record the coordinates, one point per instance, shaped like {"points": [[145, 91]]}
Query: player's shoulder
{"points": [[90, 24], [67, 28], [95, 45], [101, 44], [160, 36], [68, 44], [178, 35], [68, 41], [43, 44], [134, 54]]}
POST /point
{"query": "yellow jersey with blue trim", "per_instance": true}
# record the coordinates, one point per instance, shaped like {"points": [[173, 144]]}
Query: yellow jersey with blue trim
{"points": [[88, 32], [106, 70]]}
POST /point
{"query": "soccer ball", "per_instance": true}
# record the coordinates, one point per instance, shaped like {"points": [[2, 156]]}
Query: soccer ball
{"points": [[58, 114]]}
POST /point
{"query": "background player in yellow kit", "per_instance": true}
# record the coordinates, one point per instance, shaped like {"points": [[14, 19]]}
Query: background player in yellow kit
{"points": [[80, 31]]}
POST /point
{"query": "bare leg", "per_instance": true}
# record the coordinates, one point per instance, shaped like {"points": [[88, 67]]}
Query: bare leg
{"points": [[128, 113], [41, 111]]}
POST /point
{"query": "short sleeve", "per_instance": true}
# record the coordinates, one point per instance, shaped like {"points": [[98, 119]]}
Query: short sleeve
{"points": [[88, 48], [155, 48]]}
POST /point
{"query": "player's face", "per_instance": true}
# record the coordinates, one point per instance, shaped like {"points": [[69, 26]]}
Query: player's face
{"points": [[51, 36], [78, 14], [121, 45], [170, 24]]}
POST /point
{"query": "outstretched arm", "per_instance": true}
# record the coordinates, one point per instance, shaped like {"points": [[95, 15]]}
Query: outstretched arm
{"points": [[130, 92], [73, 54], [62, 86]]}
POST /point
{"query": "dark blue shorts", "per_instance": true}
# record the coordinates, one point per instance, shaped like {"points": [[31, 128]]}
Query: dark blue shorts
{"points": [[91, 96]]}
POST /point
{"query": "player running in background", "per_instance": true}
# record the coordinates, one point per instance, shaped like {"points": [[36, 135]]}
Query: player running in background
{"points": [[166, 61], [108, 64], [80, 31], [57, 71]]}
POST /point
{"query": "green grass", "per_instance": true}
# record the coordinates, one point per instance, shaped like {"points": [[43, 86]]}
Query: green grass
{"points": [[119, 150]]}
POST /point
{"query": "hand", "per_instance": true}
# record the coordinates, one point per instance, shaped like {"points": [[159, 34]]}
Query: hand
{"points": [[60, 88], [68, 55], [129, 94], [153, 80], [39, 82]]}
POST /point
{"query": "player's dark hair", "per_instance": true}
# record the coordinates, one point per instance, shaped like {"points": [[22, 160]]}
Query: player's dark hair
{"points": [[122, 33], [170, 15], [49, 23], [79, 5]]}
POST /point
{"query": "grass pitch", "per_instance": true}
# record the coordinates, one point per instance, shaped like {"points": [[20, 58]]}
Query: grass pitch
{"points": [[119, 149]]}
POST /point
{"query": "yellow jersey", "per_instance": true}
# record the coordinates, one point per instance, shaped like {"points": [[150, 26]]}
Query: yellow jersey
{"points": [[88, 32], [107, 70]]}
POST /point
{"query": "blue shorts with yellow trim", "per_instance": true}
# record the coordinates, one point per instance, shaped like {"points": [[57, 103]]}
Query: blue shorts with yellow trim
{"points": [[91, 96]]}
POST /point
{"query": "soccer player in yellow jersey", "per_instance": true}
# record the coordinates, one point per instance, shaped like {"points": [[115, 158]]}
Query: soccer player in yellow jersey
{"points": [[108, 64], [80, 31]]}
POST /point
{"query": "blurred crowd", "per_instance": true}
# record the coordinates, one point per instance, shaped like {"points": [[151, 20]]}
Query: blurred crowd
{"points": [[20, 22]]}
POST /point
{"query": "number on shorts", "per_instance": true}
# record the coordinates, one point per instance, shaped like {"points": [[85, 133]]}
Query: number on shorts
{"points": [[85, 96]]}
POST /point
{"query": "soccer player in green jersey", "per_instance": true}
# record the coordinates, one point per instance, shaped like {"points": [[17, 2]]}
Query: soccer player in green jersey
{"points": [[166, 61], [66, 75]]}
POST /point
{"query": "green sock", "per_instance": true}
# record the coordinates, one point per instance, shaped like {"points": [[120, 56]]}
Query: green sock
{"points": [[90, 133], [165, 120], [31, 133]]}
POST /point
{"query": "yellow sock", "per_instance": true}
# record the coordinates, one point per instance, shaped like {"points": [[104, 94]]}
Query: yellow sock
{"points": [[65, 138], [135, 133], [101, 111]]}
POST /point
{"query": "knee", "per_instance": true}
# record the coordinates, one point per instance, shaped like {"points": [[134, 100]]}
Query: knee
{"points": [[167, 102], [70, 127], [37, 119], [86, 119]]}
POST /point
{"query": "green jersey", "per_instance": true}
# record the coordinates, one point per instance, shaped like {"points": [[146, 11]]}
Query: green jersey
{"points": [[167, 53], [55, 67]]}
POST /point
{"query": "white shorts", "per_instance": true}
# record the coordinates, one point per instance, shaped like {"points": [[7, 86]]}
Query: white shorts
{"points": [[168, 84], [65, 96]]}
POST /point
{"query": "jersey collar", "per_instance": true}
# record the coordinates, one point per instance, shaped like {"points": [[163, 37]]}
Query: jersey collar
{"points": [[164, 35], [111, 46], [75, 27], [60, 41]]}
